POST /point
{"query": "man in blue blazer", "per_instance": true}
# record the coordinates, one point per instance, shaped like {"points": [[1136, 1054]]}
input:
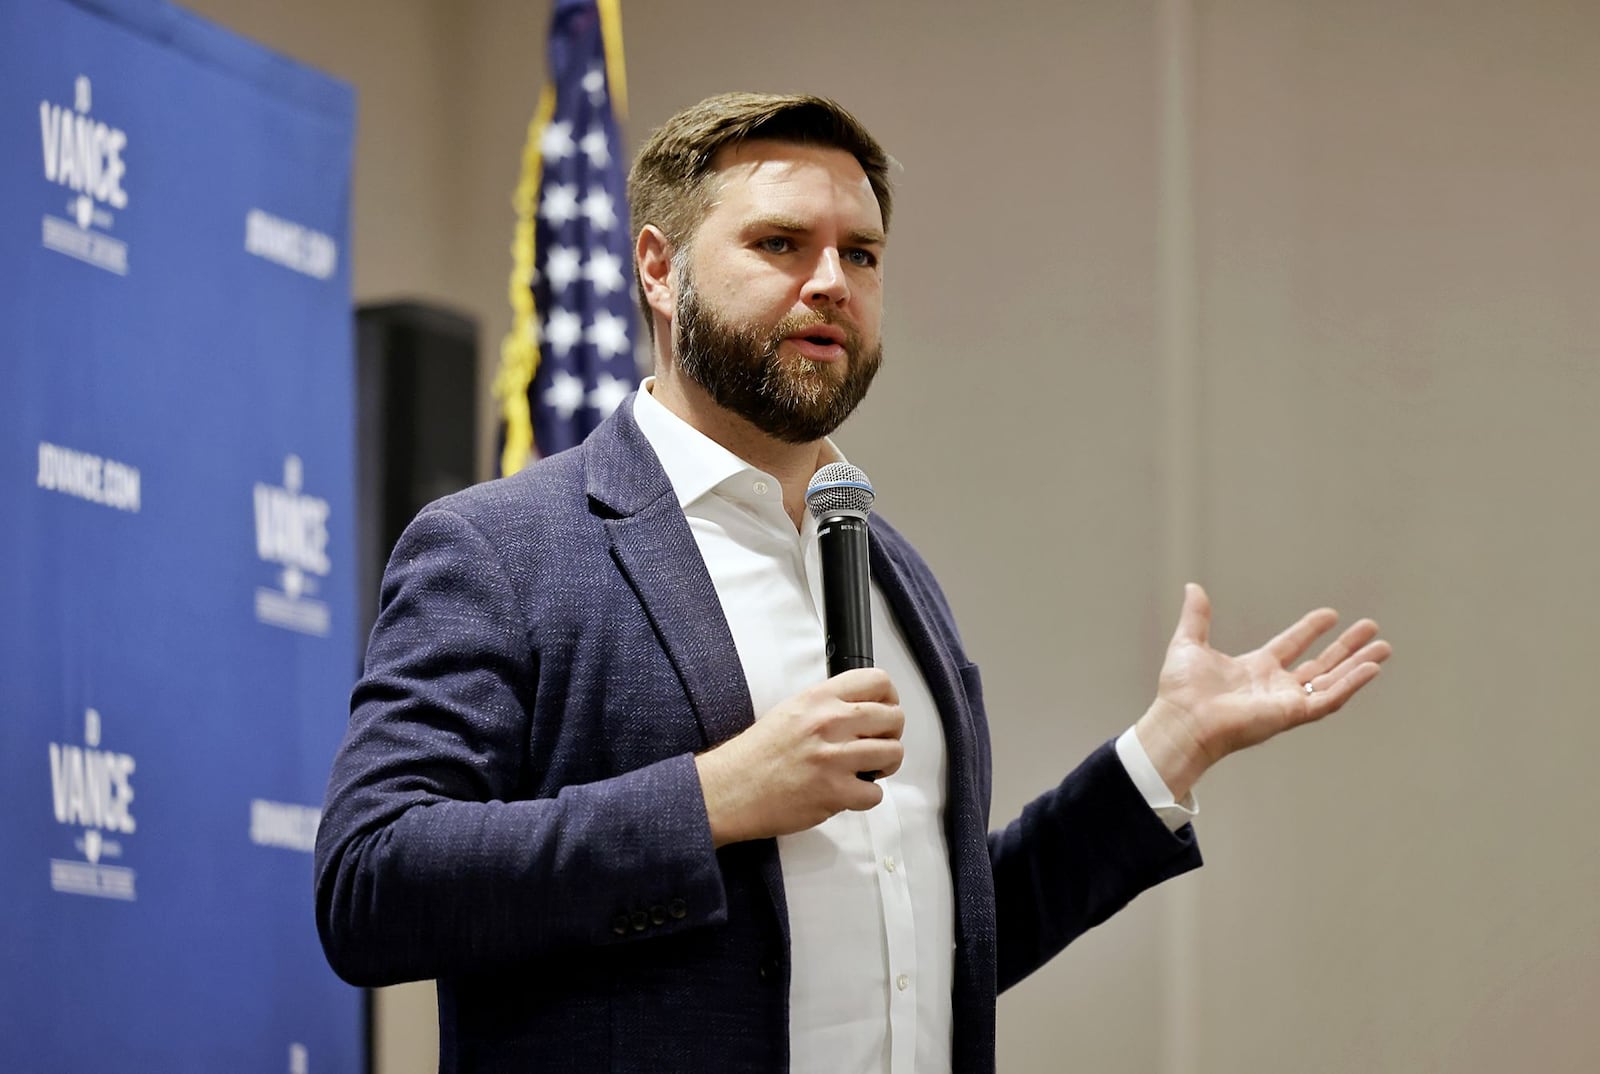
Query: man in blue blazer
{"points": [[559, 795]]}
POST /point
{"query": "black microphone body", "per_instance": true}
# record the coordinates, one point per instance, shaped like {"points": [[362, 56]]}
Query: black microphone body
{"points": [[840, 497], [846, 591]]}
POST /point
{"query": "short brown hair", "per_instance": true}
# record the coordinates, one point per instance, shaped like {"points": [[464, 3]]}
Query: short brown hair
{"points": [[667, 185]]}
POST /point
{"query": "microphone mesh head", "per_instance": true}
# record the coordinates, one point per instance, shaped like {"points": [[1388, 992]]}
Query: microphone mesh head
{"points": [[839, 487]]}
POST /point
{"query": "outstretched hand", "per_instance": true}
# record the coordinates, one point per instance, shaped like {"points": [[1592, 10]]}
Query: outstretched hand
{"points": [[1209, 704]]}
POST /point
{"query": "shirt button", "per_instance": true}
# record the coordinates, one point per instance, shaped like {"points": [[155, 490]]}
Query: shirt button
{"points": [[761, 488], [902, 982], [888, 863]]}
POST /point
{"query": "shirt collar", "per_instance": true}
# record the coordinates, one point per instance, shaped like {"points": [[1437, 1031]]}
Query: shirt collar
{"points": [[695, 463]]}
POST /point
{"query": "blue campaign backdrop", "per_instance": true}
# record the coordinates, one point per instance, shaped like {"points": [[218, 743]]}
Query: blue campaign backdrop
{"points": [[177, 598]]}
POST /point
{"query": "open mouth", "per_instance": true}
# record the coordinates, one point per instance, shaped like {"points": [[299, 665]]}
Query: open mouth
{"points": [[821, 338], [820, 345]]}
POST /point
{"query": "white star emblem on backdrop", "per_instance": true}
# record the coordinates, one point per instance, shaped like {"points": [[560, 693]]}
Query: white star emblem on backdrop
{"points": [[600, 209], [594, 84], [596, 148], [563, 329], [556, 142], [608, 393], [562, 267], [560, 204], [565, 394], [604, 271], [609, 334]]}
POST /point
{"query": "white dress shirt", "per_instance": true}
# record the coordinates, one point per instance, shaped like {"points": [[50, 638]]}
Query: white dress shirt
{"points": [[871, 904]]}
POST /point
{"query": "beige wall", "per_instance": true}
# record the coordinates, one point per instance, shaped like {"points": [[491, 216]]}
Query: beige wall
{"points": [[1397, 260], [1294, 298]]}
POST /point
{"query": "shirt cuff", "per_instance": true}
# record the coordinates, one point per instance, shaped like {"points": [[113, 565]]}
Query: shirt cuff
{"points": [[1174, 814]]}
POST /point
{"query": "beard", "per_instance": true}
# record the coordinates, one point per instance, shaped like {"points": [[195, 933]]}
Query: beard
{"points": [[787, 396]]}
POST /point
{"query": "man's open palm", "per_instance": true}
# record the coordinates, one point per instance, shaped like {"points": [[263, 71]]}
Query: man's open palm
{"points": [[1210, 704]]}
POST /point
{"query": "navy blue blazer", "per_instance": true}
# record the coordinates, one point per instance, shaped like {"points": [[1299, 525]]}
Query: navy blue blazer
{"points": [[515, 809]]}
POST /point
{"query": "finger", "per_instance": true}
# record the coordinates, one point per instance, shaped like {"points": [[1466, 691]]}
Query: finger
{"points": [[1331, 700], [863, 684], [1194, 620], [1338, 651], [1292, 643], [1372, 653], [881, 755], [869, 719], [862, 794]]}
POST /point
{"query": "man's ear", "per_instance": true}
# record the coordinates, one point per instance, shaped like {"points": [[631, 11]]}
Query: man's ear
{"points": [[653, 253]]}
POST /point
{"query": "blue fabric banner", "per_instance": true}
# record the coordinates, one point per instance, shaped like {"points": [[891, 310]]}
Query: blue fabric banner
{"points": [[176, 483]]}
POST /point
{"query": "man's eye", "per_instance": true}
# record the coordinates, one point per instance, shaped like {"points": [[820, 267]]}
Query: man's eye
{"points": [[864, 258], [777, 244]]}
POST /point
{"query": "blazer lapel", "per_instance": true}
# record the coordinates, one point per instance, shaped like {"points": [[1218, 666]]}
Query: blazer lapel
{"points": [[655, 550], [965, 826], [934, 658]]}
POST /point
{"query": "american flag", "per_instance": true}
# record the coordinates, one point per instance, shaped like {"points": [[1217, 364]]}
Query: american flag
{"points": [[581, 272]]}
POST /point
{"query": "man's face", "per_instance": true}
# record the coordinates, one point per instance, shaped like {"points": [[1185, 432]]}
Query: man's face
{"points": [[780, 295]]}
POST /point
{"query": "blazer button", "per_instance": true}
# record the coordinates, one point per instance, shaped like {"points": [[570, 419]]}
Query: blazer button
{"points": [[768, 970], [658, 915], [677, 909], [619, 924], [638, 921]]}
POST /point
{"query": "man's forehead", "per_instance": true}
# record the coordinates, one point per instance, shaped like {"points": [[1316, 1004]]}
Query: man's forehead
{"points": [[746, 170], [751, 151]]}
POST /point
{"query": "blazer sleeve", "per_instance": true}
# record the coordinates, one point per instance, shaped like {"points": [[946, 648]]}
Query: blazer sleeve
{"points": [[1078, 853], [431, 858]]}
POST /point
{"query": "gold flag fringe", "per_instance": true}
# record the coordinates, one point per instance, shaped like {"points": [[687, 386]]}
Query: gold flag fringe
{"points": [[519, 351]]}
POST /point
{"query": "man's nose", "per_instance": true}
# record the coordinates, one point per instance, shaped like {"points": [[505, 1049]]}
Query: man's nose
{"points": [[827, 282]]}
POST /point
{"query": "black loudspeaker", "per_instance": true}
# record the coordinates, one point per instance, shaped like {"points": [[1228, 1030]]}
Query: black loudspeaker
{"points": [[416, 422]]}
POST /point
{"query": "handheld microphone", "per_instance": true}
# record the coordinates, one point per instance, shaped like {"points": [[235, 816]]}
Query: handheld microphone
{"points": [[840, 498]]}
